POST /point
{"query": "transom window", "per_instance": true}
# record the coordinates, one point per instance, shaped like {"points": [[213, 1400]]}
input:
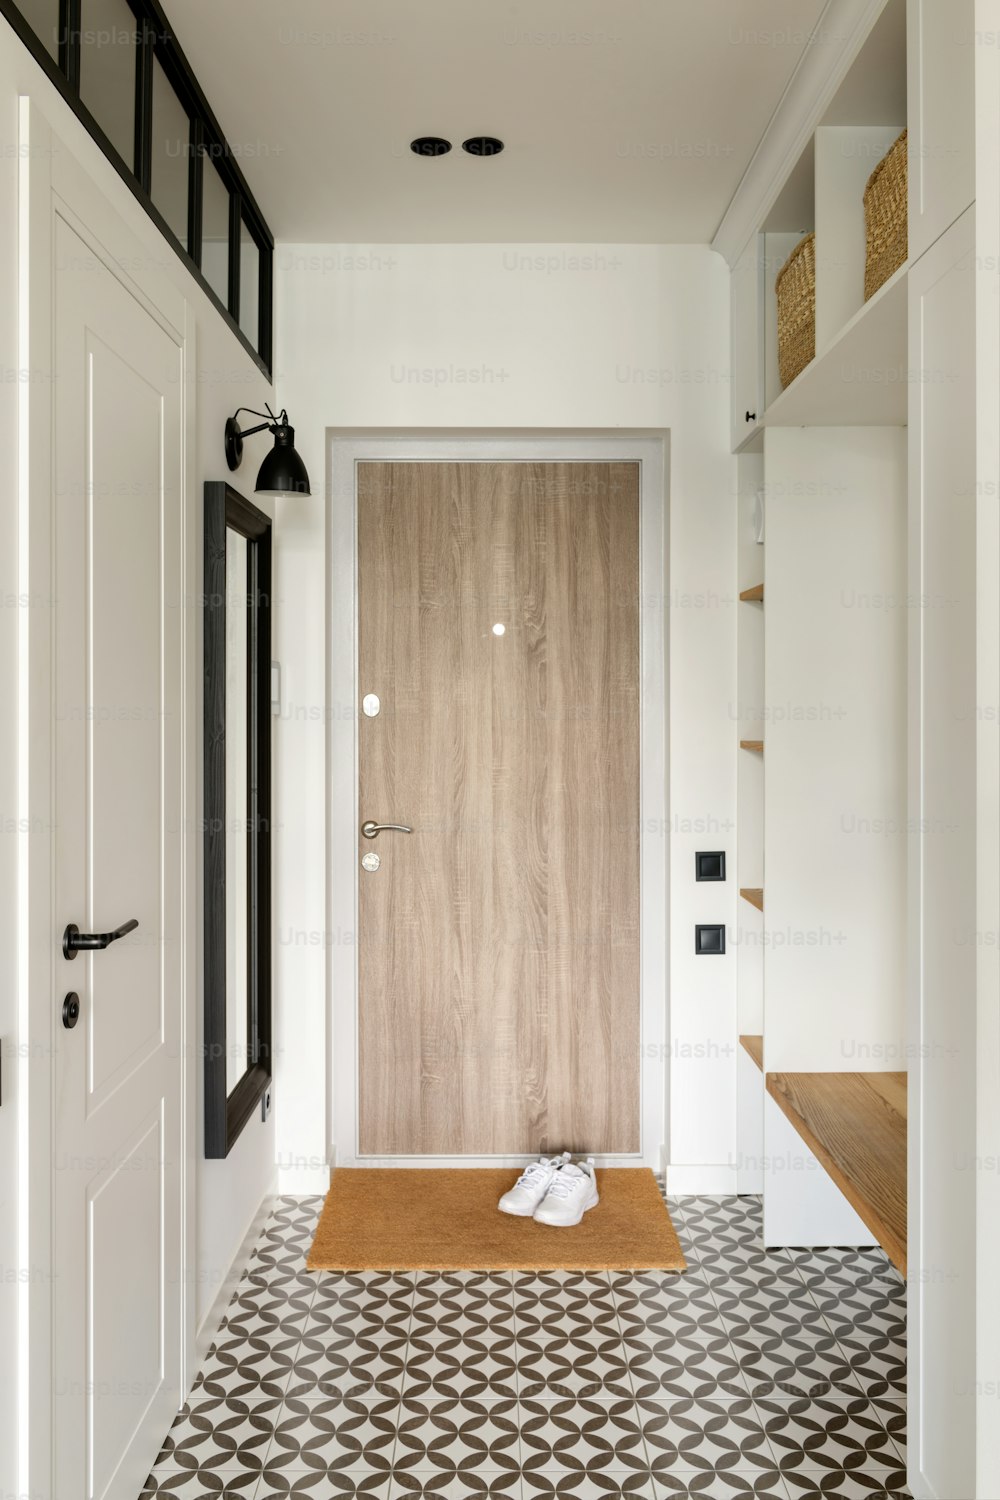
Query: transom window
{"points": [[121, 69]]}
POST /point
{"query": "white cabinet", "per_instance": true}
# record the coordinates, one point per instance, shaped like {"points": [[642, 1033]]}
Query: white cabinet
{"points": [[941, 56], [943, 817], [747, 344]]}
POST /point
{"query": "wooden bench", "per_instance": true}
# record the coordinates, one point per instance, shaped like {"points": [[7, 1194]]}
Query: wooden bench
{"points": [[855, 1125]]}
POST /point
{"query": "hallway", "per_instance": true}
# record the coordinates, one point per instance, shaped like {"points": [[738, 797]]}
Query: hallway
{"points": [[777, 1375]]}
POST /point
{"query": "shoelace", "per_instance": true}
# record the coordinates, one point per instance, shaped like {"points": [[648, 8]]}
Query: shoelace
{"points": [[567, 1181], [531, 1173]]}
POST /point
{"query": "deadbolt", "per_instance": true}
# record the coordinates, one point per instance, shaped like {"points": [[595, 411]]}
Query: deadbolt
{"points": [[71, 1010], [370, 861]]}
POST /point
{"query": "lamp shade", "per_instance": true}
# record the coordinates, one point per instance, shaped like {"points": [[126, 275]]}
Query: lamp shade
{"points": [[283, 472]]}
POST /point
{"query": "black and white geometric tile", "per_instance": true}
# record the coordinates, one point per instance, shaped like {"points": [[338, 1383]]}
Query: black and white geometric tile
{"points": [[778, 1374]]}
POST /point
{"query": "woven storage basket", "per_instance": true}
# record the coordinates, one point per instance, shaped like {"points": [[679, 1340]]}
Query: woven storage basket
{"points": [[886, 218], [796, 292]]}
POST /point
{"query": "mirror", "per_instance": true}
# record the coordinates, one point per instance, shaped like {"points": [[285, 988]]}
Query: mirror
{"points": [[237, 813], [237, 807]]}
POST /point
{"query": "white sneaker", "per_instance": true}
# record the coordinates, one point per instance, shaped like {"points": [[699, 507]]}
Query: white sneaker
{"points": [[531, 1187], [572, 1191]]}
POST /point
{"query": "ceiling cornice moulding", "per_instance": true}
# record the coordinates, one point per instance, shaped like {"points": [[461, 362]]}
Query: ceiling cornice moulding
{"points": [[838, 37]]}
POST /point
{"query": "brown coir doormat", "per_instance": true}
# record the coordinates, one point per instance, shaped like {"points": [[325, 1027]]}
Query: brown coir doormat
{"points": [[446, 1219]]}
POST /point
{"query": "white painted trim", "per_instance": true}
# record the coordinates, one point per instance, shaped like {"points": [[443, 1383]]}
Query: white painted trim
{"points": [[206, 1331], [52, 183], [650, 449], [714, 1181], [841, 32]]}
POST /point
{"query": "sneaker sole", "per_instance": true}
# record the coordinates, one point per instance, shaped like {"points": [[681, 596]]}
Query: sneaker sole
{"points": [[567, 1223]]}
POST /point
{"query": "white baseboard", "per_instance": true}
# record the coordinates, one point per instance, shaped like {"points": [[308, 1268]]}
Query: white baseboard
{"points": [[918, 1485], [210, 1323], [715, 1181], [303, 1182]]}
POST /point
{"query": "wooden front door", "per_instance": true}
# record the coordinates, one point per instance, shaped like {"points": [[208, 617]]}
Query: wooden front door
{"points": [[499, 941]]}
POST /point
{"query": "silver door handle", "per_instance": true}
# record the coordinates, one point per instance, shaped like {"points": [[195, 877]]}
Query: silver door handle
{"points": [[371, 830]]}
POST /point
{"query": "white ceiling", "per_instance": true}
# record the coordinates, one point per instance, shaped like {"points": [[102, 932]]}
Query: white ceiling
{"points": [[629, 121]]}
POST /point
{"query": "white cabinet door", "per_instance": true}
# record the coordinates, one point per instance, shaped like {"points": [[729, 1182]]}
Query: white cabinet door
{"points": [[747, 352], [942, 857], [117, 856], [941, 89]]}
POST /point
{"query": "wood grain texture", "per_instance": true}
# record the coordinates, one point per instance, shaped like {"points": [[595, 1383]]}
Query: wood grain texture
{"points": [[754, 894], [499, 944], [754, 595], [755, 745], [855, 1124], [754, 1045]]}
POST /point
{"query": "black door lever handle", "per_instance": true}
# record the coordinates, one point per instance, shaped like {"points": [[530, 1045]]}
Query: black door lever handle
{"points": [[75, 941]]}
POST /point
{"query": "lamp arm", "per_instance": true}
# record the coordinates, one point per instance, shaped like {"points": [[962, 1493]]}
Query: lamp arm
{"points": [[279, 421], [246, 432]]}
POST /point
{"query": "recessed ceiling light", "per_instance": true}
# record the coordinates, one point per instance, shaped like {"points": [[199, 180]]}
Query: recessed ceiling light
{"points": [[482, 145], [430, 145]]}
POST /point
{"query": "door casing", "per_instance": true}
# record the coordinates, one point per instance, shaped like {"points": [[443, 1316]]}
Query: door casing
{"points": [[346, 449], [52, 183]]}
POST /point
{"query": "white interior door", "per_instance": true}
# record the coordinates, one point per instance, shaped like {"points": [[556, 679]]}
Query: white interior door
{"points": [[117, 857]]}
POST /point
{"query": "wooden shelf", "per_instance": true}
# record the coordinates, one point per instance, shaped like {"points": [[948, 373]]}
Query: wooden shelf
{"points": [[755, 1046], [860, 380], [855, 1125], [757, 746], [753, 894], [754, 595]]}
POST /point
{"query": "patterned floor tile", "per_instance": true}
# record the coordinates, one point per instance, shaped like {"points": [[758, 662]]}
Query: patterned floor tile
{"points": [[808, 1363], [516, 1386], [869, 1484], [351, 1484], [469, 1486], [334, 1433], [455, 1438], [363, 1370], [222, 1433], [776, 1307], [684, 1367], [732, 1484], [834, 1433], [581, 1436], [657, 1307], [562, 1304], [199, 1484], [710, 1436], [878, 1365], [463, 1302], [461, 1368], [605, 1484], [572, 1368]]}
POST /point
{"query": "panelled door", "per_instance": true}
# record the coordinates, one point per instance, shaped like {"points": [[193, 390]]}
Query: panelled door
{"points": [[117, 860], [499, 1000]]}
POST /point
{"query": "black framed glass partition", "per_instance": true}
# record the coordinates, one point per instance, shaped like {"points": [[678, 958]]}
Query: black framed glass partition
{"points": [[119, 66], [237, 793]]}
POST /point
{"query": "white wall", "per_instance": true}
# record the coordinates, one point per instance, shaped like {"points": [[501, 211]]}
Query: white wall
{"points": [[228, 1193], [509, 337]]}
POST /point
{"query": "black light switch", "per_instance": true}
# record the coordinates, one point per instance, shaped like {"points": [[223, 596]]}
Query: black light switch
{"points": [[710, 939], [711, 866]]}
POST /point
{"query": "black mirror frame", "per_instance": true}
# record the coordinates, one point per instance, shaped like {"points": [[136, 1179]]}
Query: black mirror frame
{"points": [[226, 1113]]}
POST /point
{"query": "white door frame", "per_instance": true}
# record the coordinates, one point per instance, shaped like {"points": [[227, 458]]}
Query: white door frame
{"points": [[345, 450], [53, 183]]}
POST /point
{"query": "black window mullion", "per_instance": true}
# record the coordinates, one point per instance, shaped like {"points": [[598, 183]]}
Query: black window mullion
{"points": [[264, 296], [144, 105], [70, 22], [235, 238], [196, 176]]}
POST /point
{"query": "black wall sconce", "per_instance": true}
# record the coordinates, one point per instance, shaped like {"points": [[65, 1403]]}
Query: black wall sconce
{"points": [[282, 472]]}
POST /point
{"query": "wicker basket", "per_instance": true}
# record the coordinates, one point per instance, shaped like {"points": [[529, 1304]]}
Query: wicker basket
{"points": [[796, 292], [886, 218]]}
